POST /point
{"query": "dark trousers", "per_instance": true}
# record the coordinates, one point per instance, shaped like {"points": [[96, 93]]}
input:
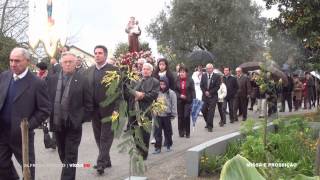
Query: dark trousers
{"points": [[184, 110], [222, 113], [241, 103], [103, 135], [252, 102], [311, 99], [286, 96], [68, 141], [208, 109], [163, 123], [230, 103], [9, 146]]}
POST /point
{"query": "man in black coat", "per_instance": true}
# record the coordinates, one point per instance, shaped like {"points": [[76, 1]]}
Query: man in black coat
{"points": [[209, 84], [22, 95], [102, 131], [72, 105], [232, 88]]}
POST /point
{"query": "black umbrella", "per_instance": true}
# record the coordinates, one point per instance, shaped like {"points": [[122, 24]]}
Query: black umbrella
{"points": [[271, 67], [201, 56], [250, 66]]}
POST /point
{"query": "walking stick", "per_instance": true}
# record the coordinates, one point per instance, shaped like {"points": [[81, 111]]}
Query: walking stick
{"points": [[25, 148]]}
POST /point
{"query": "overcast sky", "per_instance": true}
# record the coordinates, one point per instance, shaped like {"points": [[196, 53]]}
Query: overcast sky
{"points": [[103, 21]]}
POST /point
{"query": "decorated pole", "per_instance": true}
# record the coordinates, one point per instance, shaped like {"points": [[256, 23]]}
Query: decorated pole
{"points": [[48, 24], [25, 149]]}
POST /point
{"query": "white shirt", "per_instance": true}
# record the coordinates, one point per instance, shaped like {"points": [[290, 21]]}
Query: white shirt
{"points": [[20, 76], [100, 67], [222, 92]]}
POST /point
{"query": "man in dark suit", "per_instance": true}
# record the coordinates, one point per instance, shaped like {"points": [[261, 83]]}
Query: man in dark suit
{"points": [[145, 92], [242, 95], [72, 105], [232, 88], [22, 95], [209, 84], [102, 131]]}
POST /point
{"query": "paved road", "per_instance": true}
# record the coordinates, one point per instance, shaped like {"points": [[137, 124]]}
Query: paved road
{"points": [[120, 167]]}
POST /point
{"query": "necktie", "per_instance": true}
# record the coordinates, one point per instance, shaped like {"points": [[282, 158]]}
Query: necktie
{"points": [[209, 79], [15, 77]]}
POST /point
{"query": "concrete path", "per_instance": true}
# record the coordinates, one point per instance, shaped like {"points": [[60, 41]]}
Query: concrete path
{"points": [[166, 165]]}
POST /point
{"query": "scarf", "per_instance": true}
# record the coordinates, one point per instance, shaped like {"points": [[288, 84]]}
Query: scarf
{"points": [[61, 103]]}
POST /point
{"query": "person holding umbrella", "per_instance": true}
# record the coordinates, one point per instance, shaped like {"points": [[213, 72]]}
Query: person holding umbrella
{"points": [[185, 92]]}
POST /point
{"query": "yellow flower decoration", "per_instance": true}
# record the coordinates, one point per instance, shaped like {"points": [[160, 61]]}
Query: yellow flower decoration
{"points": [[158, 106], [133, 75], [109, 77], [115, 116]]}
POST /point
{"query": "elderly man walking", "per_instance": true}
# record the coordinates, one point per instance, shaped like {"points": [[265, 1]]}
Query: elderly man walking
{"points": [[145, 92], [210, 84], [242, 95], [72, 105], [22, 95]]}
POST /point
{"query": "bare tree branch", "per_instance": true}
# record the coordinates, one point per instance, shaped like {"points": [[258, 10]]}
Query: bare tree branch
{"points": [[3, 15]]}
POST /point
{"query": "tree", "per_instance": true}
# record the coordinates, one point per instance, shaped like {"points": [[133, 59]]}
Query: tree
{"points": [[13, 19], [225, 28], [123, 48], [6, 45], [13, 23], [299, 20], [284, 50]]}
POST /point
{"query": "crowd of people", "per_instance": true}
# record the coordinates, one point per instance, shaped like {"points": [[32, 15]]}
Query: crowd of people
{"points": [[66, 95]]}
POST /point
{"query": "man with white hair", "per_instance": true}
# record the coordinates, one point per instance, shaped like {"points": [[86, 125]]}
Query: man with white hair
{"points": [[22, 95], [145, 92], [209, 84], [72, 105]]}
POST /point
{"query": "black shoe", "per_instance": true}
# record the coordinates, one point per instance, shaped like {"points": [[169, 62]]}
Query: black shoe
{"points": [[100, 170], [221, 124], [187, 136], [231, 121], [53, 145], [108, 165], [251, 109], [181, 134], [209, 129], [236, 120], [206, 126]]}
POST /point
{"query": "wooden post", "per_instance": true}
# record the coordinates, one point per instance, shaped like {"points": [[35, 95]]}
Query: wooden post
{"points": [[25, 148], [318, 157]]}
